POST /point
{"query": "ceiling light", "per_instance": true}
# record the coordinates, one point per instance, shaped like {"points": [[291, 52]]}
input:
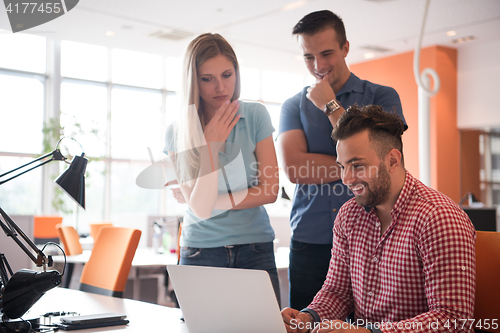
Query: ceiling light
{"points": [[463, 39], [294, 5], [369, 55], [110, 33], [451, 33], [375, 48]]}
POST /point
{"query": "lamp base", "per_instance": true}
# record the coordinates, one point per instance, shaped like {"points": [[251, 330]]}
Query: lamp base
{"points": [[19, 326]]}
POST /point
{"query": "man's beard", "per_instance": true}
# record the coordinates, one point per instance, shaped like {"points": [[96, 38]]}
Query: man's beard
{"points": [[376, 192]]}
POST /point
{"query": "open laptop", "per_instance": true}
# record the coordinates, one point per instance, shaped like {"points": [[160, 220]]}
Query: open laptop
{"points": [[223, 300]]}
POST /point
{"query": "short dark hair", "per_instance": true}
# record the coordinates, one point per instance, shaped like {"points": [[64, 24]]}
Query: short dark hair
{"points": [[385, 129], [317, 21]]}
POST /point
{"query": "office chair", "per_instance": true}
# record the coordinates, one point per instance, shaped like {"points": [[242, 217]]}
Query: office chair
{"points": [[107, 270], [487, 278], [71, 242], [95, 227], [178, 246], [69, 239], [44, 229]]}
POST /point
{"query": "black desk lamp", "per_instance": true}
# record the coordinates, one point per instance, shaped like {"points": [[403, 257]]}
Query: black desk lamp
{"points": [[24, 288]]}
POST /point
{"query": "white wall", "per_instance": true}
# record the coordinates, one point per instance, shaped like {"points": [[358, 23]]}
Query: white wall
{"points": [[479, 85]]}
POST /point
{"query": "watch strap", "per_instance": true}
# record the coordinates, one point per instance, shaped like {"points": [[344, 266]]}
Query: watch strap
{"points": [[331, 107]]}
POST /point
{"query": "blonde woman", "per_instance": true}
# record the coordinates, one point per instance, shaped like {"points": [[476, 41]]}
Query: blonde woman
{"points": [[226, 164]]}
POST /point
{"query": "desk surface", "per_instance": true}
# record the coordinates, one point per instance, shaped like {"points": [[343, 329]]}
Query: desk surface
{"points": [[143, 257], [147, 257], [143, 317]]}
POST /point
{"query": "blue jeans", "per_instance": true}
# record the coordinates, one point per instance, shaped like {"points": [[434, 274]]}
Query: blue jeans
{"points": [[248, 256], [307, 271]]}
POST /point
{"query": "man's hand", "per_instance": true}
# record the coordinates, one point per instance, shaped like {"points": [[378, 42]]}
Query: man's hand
{"points": [[295, 321], [320, 93], [338, 326]]}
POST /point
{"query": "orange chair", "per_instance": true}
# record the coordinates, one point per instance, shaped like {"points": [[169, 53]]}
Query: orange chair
{"points": [[95, 227], [69, 239], [178, 249], [44, 229], [71, 242], [487, 306], [107, 270]]}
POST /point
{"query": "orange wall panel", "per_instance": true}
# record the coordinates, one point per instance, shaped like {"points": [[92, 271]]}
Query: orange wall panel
{"points": [[397, 72]]}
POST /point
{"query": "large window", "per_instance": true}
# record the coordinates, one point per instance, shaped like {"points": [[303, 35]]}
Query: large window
{"points": [[117, 104], [21, 113], [23, 52]]}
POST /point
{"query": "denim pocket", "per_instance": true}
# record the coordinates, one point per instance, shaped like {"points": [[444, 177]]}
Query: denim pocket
{"points": [[263, 247], [190, 252], [297, 246]]}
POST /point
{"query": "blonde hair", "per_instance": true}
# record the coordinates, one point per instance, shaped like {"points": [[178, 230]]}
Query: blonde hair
{"points": [[188, 129]]}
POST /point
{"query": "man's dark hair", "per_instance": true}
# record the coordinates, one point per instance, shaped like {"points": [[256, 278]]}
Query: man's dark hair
{"points": [[317, 21], [385, 129]]}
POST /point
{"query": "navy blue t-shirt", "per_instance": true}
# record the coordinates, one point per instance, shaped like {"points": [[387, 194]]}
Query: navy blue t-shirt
{"points": [[315, 206]]}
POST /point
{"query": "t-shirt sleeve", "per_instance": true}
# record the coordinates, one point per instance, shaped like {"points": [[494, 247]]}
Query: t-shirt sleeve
{"points": [[389, 100], [263, 124], [290, 115], [169, 139]]}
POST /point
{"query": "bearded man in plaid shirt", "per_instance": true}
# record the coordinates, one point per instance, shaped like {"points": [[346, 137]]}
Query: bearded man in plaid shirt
{"points": [[403, 256]]}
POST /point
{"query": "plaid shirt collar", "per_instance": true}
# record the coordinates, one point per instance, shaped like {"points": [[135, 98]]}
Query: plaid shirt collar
{"points": [[403, 198]]}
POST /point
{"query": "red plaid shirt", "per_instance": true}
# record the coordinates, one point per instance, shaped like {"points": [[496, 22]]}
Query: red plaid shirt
{"points": [[419, 276]]}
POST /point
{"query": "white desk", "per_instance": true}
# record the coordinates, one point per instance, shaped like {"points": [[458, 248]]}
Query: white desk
{"points": [[142, 258], [143, 317], [146, 263]]}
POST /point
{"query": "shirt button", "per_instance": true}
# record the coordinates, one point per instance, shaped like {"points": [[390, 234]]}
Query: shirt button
{"points": [[370, 293], [377, 224], [375, 259], [463, 268], [334, 210]]}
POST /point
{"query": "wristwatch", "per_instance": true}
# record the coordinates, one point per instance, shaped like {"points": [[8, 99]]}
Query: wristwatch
{"points": [[331, 107]]}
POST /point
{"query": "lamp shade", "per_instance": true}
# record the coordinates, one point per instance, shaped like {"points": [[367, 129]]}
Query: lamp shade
{"points": [[25, 288], [72, 181]]}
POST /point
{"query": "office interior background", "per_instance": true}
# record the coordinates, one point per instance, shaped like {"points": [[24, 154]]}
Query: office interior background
{"points": [[109, 73]]}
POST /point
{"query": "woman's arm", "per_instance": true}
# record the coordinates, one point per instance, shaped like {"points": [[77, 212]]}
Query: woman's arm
{"points": [[266, 191], [201, 192]]}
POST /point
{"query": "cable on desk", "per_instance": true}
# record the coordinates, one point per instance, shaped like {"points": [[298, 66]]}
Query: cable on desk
{"points": [[50, 257]]}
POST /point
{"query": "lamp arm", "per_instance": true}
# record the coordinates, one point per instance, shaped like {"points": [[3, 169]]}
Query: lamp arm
{"points": [[56, 155], [4, 269], [8, 226]]}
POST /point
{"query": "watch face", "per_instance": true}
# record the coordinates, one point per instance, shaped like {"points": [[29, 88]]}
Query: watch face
{"points": [[331, 106]]}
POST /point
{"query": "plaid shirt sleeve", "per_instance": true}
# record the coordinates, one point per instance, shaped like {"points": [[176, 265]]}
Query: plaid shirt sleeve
{"points": [[335, 300], [447, 249]]}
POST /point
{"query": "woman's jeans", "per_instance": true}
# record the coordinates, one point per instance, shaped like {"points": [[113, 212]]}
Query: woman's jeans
{"points": [[248, 256]]}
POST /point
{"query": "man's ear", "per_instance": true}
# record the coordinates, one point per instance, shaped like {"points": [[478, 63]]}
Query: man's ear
{"points": [[394, 159], [345, 49]]}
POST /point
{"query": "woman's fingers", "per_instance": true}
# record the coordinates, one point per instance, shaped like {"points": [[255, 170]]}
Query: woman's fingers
{"points": [[223, 122], [228, 111]]}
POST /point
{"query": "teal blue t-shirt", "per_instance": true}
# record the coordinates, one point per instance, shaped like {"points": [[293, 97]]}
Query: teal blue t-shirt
{"points": [[232, 227]]}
